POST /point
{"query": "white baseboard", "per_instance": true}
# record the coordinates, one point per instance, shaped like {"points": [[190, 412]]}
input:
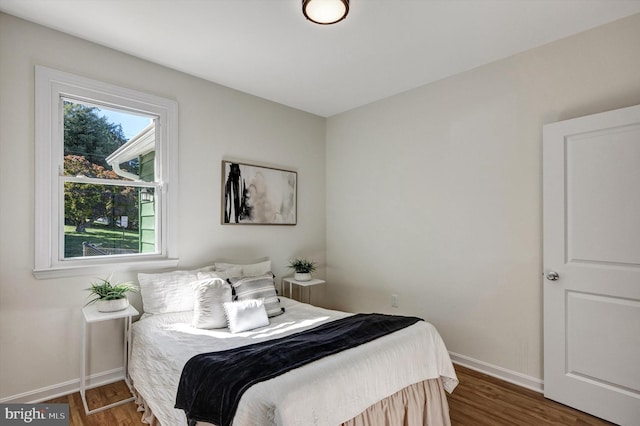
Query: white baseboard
{"points": [[510, 376], [66, 388]]}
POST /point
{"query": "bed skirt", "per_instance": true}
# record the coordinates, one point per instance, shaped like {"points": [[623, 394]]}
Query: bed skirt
{"points": [[424, 403]]}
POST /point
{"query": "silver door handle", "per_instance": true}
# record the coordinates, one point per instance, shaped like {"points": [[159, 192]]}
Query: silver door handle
{"points": [[552, 276]]}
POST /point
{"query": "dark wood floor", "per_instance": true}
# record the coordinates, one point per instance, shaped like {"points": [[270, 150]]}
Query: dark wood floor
{"points": [[477, 401]]}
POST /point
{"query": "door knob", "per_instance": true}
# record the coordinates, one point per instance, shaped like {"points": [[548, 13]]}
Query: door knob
{"points": [[552, 276]]}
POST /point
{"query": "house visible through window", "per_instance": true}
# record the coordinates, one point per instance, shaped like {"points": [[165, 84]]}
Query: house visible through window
{"points": [[105, 158], [110, 217]]}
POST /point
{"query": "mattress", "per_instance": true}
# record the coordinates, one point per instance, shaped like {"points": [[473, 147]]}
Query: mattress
{"points": [[329, 391]]}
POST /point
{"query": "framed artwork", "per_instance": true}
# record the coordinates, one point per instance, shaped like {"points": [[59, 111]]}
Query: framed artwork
{"points": [[256, 195]]}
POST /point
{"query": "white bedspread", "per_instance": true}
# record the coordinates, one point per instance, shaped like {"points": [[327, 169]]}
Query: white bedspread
{"points": [[326, 392]]}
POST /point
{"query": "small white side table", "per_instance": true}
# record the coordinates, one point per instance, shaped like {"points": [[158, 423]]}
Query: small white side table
{"points": [[91, 315], [307, 284]]}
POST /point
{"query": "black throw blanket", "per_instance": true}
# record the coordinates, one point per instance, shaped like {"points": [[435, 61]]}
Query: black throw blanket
{"points": [[212, 384]]}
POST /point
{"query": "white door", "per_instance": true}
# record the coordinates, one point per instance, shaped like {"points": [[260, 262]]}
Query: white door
{"points": [[592, 264]]}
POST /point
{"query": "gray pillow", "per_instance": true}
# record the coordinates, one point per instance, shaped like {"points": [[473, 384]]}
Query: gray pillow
{"points": [[260, 287]]}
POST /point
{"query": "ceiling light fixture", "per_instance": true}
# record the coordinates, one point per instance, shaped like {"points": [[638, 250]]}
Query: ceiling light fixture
{"points": [[325, 12]]}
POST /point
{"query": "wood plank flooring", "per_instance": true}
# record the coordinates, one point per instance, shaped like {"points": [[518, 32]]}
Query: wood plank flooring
{"points": [[479, 400], [122, 415]]}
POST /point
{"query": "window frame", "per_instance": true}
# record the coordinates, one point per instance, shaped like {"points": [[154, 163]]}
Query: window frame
{"points": [[51, 87]]}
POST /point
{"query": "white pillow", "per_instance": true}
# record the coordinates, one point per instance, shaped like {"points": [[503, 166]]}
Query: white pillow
{"points": [[208, 311], [232, 272], [208, 268], [246, 315], [248, 270], [167, 292]]}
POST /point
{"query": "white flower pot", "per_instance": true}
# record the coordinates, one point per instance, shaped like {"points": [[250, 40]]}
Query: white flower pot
{"points": [[302, 276], [112, 305]]}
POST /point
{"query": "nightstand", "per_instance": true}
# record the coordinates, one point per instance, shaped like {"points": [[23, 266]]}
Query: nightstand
{"points": [[307, 284], [90, 315]]}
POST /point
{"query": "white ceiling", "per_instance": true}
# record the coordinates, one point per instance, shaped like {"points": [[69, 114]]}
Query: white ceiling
{"points": [[268, 49]]}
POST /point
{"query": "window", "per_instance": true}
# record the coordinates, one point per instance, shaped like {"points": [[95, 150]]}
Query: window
{"points": [[106, 177]]}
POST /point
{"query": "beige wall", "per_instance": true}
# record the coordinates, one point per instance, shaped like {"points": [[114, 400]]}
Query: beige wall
{"points": [[436, 194], [40, 319]]}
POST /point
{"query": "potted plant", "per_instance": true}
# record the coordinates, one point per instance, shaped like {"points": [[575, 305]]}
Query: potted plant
{"points": [[110, 297], [303, 268]]}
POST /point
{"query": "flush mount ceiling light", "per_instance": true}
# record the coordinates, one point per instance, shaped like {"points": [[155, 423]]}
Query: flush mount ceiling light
{"points": [[325, 12]]}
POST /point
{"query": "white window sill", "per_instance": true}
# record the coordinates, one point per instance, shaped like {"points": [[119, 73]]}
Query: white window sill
{"points": [[107, 268]]}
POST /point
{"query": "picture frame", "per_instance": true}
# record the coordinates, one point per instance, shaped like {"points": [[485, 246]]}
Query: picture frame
{"points": [[258, 195]]}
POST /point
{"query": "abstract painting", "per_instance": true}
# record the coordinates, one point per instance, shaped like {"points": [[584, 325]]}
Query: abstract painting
{"points": [[256, 195]]}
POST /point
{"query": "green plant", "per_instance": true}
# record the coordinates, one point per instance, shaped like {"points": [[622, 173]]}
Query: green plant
{"points": [[104, 290], [302, 265]]}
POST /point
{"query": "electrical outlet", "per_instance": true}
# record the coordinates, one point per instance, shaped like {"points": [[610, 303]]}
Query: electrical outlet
{"points": [[394, 300]]}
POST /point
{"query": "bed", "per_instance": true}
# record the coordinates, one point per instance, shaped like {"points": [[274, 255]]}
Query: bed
{"points": [[399, 378]]}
